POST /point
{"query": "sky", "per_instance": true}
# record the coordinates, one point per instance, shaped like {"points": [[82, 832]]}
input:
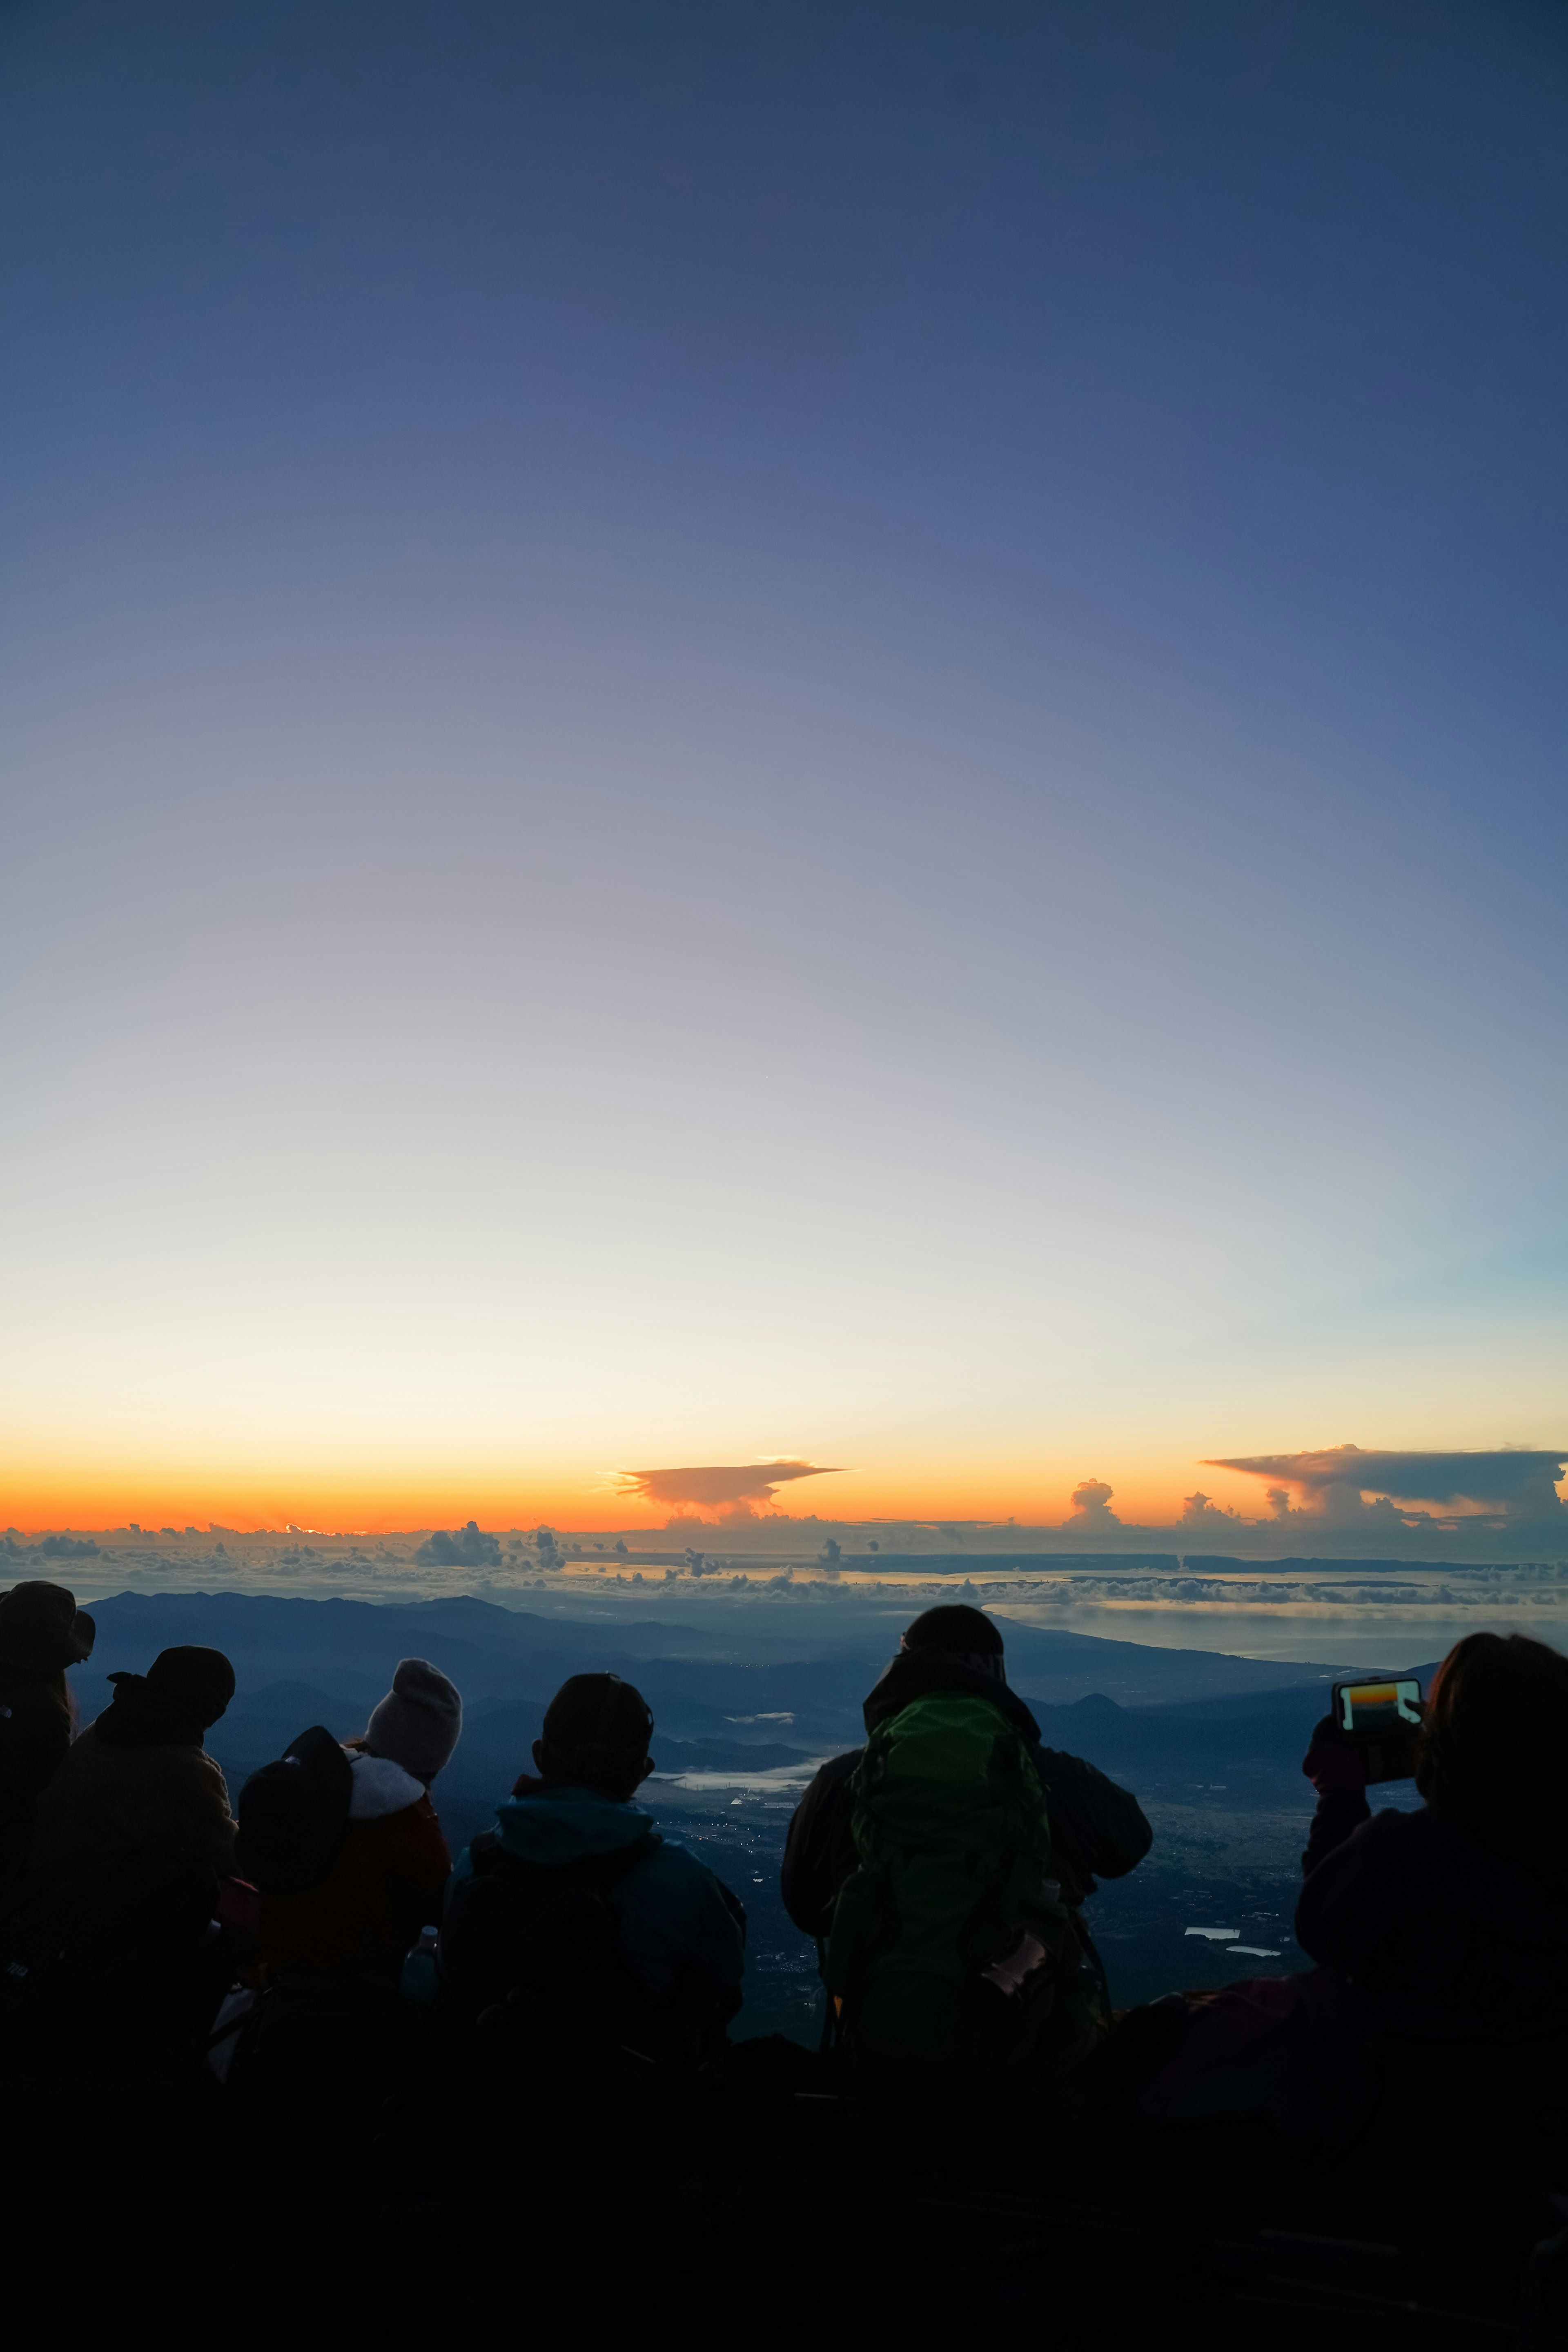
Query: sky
{"points": [[828, 735]]}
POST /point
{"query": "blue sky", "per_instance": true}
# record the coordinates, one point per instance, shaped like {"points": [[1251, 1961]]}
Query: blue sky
{"points": [[729, 734]]}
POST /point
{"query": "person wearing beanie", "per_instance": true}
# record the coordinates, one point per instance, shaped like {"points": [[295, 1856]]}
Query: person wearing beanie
{"points": [[569, 1835], [1097, 1830], [42, 1632], [360, 1906], [140, 1775], [418, 1723]]}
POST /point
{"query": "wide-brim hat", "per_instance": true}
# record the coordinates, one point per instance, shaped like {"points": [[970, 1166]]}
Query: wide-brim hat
{"points": [[41, 1627]]}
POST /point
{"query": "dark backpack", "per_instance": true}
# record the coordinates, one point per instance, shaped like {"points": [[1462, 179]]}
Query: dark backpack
{"points": [[951, 1948], [536, 1946]]}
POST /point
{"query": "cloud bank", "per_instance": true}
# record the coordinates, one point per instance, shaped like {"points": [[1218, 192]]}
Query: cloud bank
{"points": [[1515, 1483], [50, 1548], [469, 1548]]}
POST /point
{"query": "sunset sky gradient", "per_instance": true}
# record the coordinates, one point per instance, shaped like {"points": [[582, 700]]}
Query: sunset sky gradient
{"points": [[830, 733]]}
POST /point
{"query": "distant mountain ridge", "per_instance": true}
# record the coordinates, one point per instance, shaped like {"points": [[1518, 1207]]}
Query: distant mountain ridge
{"points": [[1159, 1720], [484, 1647], [298, 1661]]}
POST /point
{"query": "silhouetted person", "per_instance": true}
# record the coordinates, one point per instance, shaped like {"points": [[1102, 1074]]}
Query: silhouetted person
{"points": [[573, 1918], [1442, 1939], [351, 1865], [133, 1838], [1453, 1919], [140, 1775], [42, 1632], [944, 1865]]}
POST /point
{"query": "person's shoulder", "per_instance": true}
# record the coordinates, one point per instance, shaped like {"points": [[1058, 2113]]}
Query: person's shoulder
{"points": [[674, 1866], [86, 1753], [1074, 1779], [186, 1774], [1390, 1840], [673, 1855], [420, 1824]]}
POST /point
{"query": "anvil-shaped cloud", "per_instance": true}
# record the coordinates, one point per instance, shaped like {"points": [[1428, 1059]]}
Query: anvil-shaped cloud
{"points": [[1518, 1483], [720, 1487]]}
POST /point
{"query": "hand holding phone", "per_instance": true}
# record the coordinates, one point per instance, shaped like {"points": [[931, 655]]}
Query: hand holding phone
{"points": [[1335, 1766]]}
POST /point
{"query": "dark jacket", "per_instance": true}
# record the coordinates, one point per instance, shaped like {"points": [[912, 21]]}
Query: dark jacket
{"points": [[1098, 1830], [35, 1738], [1451, 1937], [107, 1799], [682, 1933]]}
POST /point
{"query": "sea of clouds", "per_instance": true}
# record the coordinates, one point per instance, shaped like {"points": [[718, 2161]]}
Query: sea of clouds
{"points": [[1367, 1612]]}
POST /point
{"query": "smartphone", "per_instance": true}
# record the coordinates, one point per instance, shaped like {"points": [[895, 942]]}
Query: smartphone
{"points": [[1383, 1718]]}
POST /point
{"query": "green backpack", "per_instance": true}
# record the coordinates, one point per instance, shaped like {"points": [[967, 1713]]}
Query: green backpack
{"points": [[955, 1870]]}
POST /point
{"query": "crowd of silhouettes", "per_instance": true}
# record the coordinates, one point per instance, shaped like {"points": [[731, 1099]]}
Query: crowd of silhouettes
{"points": [[943, 1870]]}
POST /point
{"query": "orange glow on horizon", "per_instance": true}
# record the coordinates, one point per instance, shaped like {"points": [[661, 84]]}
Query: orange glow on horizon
{"points": [[377, 1506]]}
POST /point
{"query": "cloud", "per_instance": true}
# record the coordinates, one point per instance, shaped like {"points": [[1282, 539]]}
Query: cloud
{"points": [[467, 1549], [1517, 1483], [1092, 1504], [1198, 1511], [719, 1487]]}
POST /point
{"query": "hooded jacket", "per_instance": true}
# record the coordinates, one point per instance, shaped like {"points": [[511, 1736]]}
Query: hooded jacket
{"points": [[1098, 1830], [682, 1933], [384, 1884]]}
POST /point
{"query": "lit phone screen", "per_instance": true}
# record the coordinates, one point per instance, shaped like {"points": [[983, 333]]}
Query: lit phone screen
{"points": [[1379, 1706]]}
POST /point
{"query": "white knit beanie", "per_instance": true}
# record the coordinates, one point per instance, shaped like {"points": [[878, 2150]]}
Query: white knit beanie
{"points": [[418, 1723]]}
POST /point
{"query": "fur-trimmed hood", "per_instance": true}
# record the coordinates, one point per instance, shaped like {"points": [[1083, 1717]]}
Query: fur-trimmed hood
{"points": [[380, 1787]]}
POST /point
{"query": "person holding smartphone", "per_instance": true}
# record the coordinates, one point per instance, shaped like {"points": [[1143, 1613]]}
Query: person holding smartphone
{"points": [[1453, 1918]]}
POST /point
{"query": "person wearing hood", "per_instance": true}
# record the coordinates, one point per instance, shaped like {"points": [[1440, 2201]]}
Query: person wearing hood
{"points": [[42, 1632], [1098, 1830], [358, 1897], [140, 1775], [575, 1906]]}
